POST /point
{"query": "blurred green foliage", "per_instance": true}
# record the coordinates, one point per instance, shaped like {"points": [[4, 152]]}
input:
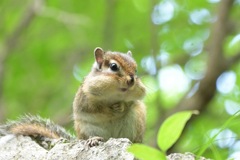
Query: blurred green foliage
{"points": [[168, 39]]}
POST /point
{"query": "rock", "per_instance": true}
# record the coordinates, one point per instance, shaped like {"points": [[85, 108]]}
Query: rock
{"points": [[24, 147]]}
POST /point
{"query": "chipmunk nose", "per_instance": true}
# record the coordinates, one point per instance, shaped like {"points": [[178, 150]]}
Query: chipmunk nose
{"points": [[131, 80]]}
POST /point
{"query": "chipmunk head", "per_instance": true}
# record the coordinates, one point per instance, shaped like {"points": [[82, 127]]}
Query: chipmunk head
{"points": [[120, 71], [119, 64]]}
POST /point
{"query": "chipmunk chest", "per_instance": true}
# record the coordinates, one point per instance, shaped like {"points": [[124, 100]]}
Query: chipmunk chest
{"points": [[122, 129]]}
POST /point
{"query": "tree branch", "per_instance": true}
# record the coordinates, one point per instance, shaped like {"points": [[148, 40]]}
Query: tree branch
{"points": [[10, 42], [216, 64]]}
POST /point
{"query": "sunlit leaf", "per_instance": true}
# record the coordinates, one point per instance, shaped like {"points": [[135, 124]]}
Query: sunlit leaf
{"points": [[172, 128], [233, 46], [144, 152]]}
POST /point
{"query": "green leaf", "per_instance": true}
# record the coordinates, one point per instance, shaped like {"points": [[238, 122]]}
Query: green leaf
{"points": [[172, 128], [144, 152]]}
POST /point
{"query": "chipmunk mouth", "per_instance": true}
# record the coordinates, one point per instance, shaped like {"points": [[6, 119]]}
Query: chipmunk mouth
{"points": [[124, 89]]}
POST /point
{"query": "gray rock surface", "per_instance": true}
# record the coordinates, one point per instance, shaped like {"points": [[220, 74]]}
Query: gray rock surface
{"points": [[23, 148], [20, 147]]}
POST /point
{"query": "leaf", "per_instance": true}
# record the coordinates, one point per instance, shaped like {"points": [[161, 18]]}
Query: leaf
{"points": [[144, 152], [172, 128]]}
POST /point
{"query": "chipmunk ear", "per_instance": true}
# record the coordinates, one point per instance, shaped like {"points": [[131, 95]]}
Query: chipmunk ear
{"points": [[99, 53], [129, 53]]}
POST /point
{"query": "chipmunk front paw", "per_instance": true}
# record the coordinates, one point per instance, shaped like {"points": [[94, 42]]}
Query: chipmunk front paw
{"points": [[94, 141], [118, 107]]}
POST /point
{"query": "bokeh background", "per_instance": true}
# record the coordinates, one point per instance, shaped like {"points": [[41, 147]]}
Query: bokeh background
{"points": [[187, 52]]}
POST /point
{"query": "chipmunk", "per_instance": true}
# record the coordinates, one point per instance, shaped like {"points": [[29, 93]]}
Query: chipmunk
{"points": [[107, 104]]}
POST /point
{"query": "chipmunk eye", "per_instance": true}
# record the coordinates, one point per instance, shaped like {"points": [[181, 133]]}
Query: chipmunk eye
{"points": [[114, 67]]}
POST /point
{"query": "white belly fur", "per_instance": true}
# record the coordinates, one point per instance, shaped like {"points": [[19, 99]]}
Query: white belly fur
{"points": [[122, 127]]}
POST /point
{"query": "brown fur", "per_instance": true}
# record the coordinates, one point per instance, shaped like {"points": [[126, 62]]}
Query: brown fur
{"points": [[33, 130], [106, 105], [34, 126]]}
